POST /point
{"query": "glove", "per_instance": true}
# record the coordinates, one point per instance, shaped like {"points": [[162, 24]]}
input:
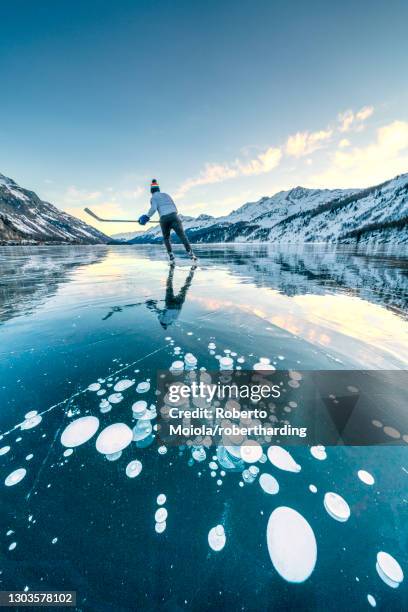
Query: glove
{"points": [[143, 219]]}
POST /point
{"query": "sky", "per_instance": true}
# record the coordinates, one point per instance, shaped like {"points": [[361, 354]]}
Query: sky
{"points": [[223, 101]]}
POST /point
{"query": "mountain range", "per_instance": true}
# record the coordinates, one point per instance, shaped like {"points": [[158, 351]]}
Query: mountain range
{"points": [[377, 214], [25, 218]]}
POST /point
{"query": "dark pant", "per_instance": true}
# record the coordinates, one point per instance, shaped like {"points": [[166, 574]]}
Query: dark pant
{"points": [[173, 222]]}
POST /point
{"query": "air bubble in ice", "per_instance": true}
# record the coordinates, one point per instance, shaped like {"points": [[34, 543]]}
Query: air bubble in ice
{"points": [[248, 477], [365, 477], [79, 431], [318, 452], [198, 454], [94, 387], [143, 387], [122, 385], [392, 432], [4, 450], [282, 459], [134, 468], [160, 527], [336, 507], [142, 430], [263, 367], [269, 484], [114, 438], [251, 451], [190, 360], [291, 544], [226, 363], [177, 366], [31, 422], [389, 569], [161, 499], [139, 408], [115, 398], [161, 515], [371, 600], [15, 477], [217, 538]]}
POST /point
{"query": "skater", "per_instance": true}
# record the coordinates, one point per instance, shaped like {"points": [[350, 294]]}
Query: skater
{"points": [[169, 219]]}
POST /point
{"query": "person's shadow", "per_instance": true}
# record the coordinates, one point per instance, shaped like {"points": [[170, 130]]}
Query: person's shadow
{"points": [[172, 303]]}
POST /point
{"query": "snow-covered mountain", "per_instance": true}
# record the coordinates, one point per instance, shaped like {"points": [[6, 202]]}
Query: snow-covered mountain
{"points": [[24, 218], [377, 214]]}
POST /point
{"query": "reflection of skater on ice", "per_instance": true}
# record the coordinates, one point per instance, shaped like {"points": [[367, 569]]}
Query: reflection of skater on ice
{"points": [[173, 303]]}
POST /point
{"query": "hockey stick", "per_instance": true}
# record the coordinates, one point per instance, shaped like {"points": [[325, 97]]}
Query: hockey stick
{"points": [[92, 214]]}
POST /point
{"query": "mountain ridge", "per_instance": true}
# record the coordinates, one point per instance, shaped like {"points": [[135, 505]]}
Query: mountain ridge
{"points": [[373, 214], [26, 219]]}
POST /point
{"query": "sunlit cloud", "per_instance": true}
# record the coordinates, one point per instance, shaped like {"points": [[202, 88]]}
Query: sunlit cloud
{"points": [[212, 173], [379, 160], [349, 120], [263, 163], [301, 144], [364, 113], [217, 173], [305, 143]]}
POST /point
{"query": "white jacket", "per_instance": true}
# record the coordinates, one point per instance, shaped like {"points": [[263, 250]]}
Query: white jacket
{"points": [[162, 203]]}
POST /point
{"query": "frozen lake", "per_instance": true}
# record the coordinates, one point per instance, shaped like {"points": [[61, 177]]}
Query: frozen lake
{"points": [[71, 317]]}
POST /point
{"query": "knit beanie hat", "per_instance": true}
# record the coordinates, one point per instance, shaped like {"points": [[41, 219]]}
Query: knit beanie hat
{"points": [[154, 187]]}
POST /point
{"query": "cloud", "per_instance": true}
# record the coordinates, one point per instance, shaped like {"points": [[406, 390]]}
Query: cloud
{"points": [[364, 113], [305, 143], [297, 145], [381, 159], [345, 119], [349, 120], [263, 163], [212, 173], [217, 173]]}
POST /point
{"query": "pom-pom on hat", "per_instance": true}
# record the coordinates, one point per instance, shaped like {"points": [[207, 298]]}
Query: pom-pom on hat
{"points": [[154, 186]]}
